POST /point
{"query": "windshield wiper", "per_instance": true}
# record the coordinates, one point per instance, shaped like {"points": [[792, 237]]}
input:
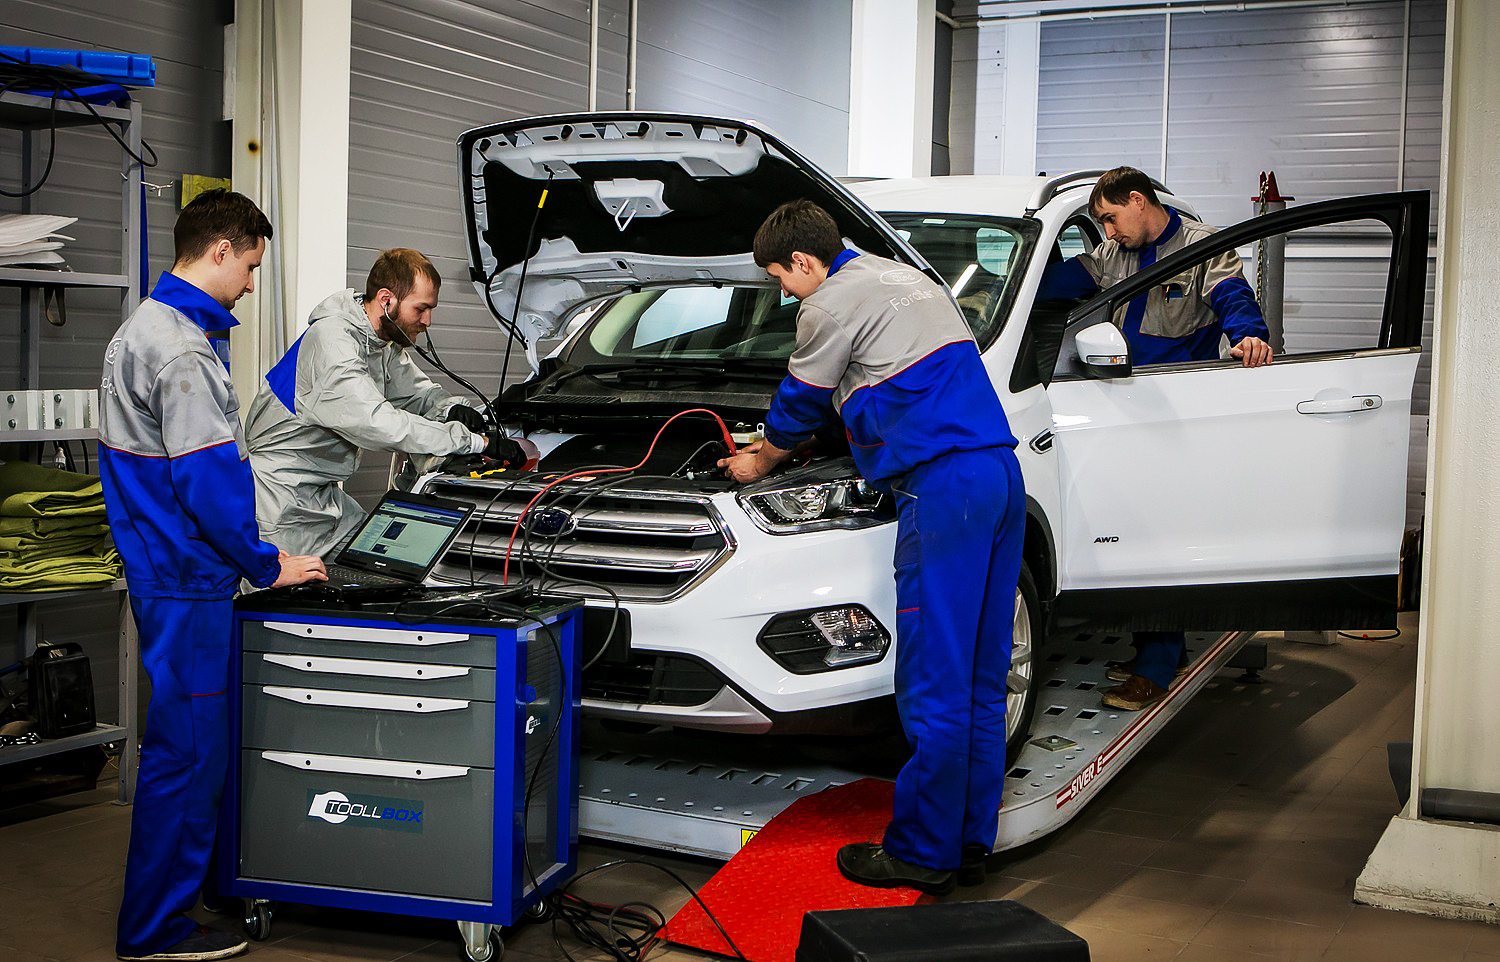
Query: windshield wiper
{"points": [[753, 368]]}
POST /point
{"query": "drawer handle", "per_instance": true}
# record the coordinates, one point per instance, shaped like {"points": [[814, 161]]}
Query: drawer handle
{"points": [[364, 766], [379, 636], [366, 699], [368, 669]]}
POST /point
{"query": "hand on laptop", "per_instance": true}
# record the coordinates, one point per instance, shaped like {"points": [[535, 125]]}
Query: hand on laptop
{"points": [[295, 569]]}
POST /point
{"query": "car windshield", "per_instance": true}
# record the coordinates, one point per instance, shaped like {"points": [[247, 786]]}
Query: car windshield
{"points": [[980, 258]]}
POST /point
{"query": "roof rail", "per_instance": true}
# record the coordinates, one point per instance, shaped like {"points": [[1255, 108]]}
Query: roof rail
{"points": [[1058, 184]]}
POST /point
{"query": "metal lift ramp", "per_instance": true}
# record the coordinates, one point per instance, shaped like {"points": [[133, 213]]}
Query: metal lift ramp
{"points": [[710, 795]]}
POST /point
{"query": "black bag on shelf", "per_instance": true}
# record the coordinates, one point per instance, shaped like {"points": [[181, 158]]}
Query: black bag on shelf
{"points": [[61, 690]]}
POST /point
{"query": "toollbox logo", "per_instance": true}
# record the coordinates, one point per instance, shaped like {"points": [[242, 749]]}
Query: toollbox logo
{"points": [[371, 811]]}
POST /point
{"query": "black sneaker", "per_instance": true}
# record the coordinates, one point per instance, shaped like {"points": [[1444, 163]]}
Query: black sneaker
{"points": [[202, 946], [870, 864]]}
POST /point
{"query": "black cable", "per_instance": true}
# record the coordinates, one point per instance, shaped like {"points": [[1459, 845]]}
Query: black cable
{"points": [[51, 145], [593, 939], [60, 81], [433, 360], [474, 537], [1363, 637], [515, 311]]}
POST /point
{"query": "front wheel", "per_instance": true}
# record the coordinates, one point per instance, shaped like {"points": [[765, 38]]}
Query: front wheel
{"points": [[1020, 685]]}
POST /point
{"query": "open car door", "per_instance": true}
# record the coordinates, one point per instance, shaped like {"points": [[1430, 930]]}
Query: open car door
{"points": [[1206, 495]]}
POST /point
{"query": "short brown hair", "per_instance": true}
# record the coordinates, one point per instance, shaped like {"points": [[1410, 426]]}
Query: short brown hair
{"points": [[1116, 186], [797, 225], [216, 215], [396, 270]]}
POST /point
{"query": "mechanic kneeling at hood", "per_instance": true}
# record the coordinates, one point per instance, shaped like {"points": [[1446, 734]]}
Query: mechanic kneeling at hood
{"points": [[348, 384], [886, 347]]}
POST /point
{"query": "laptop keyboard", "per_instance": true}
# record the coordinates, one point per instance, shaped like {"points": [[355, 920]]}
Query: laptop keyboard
{"points": [[341, 575]]}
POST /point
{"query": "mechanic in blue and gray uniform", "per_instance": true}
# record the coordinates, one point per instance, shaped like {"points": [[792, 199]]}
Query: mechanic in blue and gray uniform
{"points": [[886, 348], [1189, 318], [181, 507]]}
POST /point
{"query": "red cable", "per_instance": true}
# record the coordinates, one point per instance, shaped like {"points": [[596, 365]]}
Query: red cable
{"points": [[510, 544]]}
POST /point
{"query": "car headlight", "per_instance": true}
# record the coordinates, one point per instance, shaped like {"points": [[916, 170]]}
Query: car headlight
{"points": [[819, 505]]}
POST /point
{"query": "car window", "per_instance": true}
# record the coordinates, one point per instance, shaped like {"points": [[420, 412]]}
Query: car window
{"points": [[981, 259], [702, 322], [1072, 241]]}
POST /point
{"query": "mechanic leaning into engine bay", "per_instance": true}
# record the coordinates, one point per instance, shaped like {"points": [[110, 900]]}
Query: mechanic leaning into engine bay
{"points": [[348, 384], [1187, 319], [886, 348]]}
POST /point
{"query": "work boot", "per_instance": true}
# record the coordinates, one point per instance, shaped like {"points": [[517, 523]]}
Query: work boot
{"points": [[202, 946], [971, 871], [1135, 694], [869, 864]]}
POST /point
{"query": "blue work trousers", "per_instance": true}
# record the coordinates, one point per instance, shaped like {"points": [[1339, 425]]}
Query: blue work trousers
{"points": [[1157, 655], [958, 555], [185, 647]]}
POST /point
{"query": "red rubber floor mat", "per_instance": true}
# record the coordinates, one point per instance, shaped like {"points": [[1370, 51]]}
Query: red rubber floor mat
{"points": [[788, 869]]}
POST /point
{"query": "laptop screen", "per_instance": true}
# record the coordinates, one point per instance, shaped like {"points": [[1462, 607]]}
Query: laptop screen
{"points": [[405, 535]]}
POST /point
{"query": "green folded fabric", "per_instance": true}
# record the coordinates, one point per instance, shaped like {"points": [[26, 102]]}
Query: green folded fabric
{"points": [[31, 527], [32, 549], [30, 490], [60, 574]]}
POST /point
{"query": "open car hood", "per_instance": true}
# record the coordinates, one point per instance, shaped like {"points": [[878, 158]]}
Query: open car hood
{"points": [[588, 205]]}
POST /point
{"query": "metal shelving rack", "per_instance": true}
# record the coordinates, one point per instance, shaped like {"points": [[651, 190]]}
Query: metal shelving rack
{"points": [[33, 116]]}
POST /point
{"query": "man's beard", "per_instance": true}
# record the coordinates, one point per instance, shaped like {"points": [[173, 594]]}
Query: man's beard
{"points": [[390, 331]]}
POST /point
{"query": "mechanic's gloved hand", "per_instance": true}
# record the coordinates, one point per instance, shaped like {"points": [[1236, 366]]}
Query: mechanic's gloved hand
{"points": [[468, 417], [505, 450]]}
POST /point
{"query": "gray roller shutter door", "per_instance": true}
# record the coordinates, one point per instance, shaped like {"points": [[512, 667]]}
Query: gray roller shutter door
{"points": [[785, 65], [1099, 94]]}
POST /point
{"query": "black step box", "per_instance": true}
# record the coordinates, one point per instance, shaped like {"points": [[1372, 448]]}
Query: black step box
{"points": [[940, 932]]}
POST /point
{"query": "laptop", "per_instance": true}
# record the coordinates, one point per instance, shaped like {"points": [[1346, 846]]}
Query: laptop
{"points": [[399, 542]]}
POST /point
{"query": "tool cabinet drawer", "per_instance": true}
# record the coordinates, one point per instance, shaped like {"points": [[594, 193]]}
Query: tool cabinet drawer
{"points": [[448, 646], [416, 728], [359, 823], [367, 674]]}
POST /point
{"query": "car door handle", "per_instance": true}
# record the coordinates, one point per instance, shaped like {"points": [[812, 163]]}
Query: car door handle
{"points": [[1347, 405]]}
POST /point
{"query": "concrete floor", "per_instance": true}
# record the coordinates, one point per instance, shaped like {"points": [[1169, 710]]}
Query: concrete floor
{"points": [[1235, 837]]}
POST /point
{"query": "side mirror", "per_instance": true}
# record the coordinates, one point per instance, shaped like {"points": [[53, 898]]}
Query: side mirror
{"points": [[1103, 351]]}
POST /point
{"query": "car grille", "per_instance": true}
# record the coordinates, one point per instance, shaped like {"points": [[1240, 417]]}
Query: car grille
{"points": [[647, 679], [642, 546]]}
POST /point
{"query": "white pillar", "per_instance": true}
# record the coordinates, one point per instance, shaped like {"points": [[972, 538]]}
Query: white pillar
{"points": [[1023, 59], [289, 100], [890, 88], [1421, 864]]}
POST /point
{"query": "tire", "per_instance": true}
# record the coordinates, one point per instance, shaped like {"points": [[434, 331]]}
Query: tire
{"points": [[1026, 638], [494, 950], [258, 921]]}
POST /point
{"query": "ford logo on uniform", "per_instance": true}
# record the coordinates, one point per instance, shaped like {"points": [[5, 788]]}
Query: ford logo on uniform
{"points": [[551, 523]]}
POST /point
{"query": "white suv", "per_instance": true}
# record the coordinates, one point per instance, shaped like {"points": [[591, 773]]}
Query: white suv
{"points": [[1197, 496]]}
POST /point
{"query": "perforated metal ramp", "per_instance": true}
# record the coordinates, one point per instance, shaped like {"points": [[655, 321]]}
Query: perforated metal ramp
{"points": [[708, 795]]}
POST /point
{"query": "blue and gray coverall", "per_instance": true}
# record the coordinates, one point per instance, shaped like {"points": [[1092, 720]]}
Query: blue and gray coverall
{"points": [[1184, 319], [885, 347], [181, 508]]}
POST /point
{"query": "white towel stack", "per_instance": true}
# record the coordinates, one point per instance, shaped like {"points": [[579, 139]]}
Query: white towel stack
{"points": [[32, 240]]}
